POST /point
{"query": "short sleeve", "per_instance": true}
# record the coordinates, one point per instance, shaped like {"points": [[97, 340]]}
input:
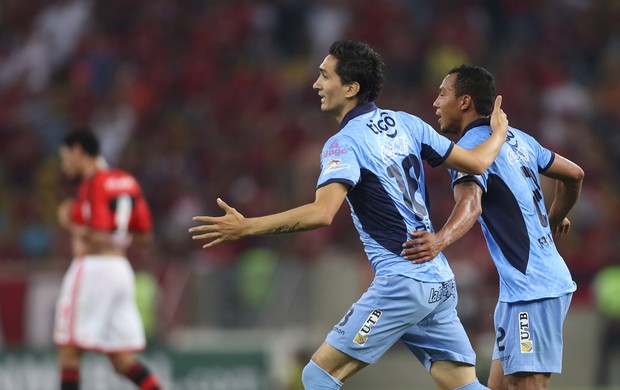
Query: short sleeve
{"points": [[339, 162]]}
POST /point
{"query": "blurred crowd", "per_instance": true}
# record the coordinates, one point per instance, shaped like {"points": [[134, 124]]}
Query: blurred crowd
{"points": [[205, 99]]}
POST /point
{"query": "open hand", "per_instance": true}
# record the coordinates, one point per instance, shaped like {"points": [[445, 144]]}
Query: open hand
{"points": [[228, 227]]}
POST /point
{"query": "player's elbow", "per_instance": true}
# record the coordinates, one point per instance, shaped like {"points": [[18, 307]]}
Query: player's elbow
{"points": [[475, 210], [579, 175], [480, 167], [575, 176], [324, 219]]}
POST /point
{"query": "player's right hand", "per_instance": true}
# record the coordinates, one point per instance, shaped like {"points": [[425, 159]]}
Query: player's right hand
{"points": [[561, 229], [228, 227]]}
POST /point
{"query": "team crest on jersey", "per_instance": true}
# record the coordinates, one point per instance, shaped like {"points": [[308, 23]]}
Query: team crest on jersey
{"points": [[362, 335], [334, 165], [527, 345]]}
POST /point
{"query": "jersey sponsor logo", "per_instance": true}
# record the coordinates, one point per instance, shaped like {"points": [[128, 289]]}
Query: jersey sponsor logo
{"points": [[386, 125], [445, 291], [545, 240], [362, 335], [518, 155], [398, 146], [527, 345], [339, 331], [334, 150], [123, 183], [334, 165], [334, 145]]}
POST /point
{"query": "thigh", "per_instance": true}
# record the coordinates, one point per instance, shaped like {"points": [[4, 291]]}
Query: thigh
{"points": [[390, 307], [125, 331], [440, 336], [529, 335], [497, 379]]}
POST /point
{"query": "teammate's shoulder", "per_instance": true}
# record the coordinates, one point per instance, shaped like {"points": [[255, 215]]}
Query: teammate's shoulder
{"points": [[522, 134]]}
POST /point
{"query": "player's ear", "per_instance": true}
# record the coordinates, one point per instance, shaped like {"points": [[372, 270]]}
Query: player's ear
{"points": [[467, 102], [352, 89]]}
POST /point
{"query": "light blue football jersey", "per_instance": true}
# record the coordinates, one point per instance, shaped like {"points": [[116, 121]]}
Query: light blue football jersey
{"points": [[514, 218], [378, 154]]}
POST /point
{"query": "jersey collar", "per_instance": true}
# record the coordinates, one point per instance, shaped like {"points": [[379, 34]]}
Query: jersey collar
{"points": [[357, 111], [477, 123]]}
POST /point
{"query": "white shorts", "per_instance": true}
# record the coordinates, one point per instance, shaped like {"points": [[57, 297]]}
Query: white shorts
{"points": [[97, 308]]}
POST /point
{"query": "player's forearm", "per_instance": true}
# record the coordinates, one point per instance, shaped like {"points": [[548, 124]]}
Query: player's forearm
{"points": [[566, 195], [477, 160], [303, 218], [463, 217]]}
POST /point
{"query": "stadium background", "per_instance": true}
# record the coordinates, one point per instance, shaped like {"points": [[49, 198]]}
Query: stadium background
{"points": [[201, 99]]}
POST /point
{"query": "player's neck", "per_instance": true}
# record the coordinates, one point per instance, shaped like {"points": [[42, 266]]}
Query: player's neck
{"points": [[351, 104], [467, 120], [90, 169]]}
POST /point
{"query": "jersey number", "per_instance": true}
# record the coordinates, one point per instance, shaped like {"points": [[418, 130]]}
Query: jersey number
{"points": [[409, 185], [536, 195]]}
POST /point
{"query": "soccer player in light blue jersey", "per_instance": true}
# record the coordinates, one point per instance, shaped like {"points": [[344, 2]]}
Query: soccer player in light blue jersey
{"points": [[535, 285], [375, 162]]}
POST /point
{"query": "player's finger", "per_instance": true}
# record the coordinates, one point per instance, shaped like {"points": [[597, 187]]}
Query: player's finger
{"points": [[213, 243], [201, 228], [223, 205], [498, 103], [417, 233], [203, 218], [206, 236]]}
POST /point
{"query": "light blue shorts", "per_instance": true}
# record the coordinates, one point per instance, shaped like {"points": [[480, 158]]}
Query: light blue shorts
{"points": [[422, 315], [529, 334]]}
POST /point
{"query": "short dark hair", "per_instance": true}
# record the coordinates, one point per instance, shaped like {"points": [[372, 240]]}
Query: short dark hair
{"points": [[358, 62], [478, 83], [83, 137]]}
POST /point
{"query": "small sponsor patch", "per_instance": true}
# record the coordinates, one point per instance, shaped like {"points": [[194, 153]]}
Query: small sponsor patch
{"points": [[362, 335], [334, 145], [335, 165], [527, 345]]}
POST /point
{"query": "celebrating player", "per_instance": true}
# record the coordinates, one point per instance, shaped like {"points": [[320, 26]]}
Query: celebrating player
{"points": [[535, 284]]}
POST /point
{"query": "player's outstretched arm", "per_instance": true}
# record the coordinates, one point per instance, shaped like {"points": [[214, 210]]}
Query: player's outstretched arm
{"points": [[234, 226], [569, 179], [478, 159]]}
